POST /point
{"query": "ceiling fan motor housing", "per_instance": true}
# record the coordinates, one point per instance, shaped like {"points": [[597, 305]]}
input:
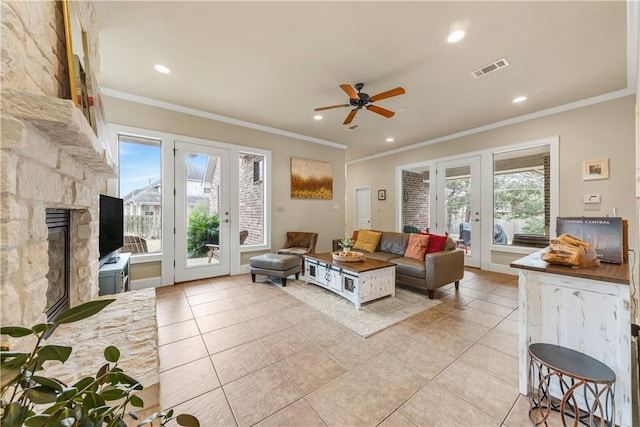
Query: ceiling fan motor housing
{"points": [[363, 98]]}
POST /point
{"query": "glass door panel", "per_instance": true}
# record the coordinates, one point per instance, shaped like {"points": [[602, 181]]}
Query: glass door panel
{"points": [[202, 212], [459, 205]]}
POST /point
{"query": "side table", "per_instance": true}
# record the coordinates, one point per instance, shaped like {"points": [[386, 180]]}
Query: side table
{"points": [[586, 385]]}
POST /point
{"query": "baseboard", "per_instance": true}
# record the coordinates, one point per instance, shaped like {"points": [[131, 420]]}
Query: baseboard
{"points": [[504, 269], [151, 282]]}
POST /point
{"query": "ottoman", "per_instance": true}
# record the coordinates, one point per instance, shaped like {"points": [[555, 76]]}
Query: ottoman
{"points": [[275, 265]]}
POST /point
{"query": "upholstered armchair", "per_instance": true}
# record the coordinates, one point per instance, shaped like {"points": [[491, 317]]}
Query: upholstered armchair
{"points": [[299, 243]]}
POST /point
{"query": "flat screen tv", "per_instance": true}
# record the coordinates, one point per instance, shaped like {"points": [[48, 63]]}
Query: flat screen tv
{"points": [[111, 227]]}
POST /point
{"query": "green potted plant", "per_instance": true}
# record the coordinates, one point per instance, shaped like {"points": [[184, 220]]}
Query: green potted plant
{"points": [[30, 398], [346, 244]]}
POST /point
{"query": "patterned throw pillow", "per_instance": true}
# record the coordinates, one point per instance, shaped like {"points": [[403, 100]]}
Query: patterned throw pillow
{"points": [[367, 240], [417, 247]]}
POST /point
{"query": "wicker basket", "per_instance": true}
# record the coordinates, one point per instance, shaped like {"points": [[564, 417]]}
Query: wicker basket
{"points": [[348, 256]]}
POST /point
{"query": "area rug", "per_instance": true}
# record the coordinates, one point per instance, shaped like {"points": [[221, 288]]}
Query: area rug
{"points": [[372, 317]]}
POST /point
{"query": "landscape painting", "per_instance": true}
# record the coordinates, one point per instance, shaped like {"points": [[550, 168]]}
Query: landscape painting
{"points": [[311, 179]]}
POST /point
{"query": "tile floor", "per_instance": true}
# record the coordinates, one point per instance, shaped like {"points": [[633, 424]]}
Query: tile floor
{"points": [[234, 352]]}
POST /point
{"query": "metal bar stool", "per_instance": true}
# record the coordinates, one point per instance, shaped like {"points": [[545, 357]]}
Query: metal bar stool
{"points": [[568, 371]]}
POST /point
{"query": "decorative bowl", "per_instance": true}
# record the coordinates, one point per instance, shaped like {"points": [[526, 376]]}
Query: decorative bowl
{"points": [[350, 256]]}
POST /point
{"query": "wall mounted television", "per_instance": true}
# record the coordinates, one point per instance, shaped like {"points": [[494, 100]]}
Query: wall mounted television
{"points": [[111, 228]]}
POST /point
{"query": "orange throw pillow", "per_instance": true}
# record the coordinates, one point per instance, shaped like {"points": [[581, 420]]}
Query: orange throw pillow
{"points": [[417, 247]]}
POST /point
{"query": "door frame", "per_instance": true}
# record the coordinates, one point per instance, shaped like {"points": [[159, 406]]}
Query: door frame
{"points": [[182, 271]]}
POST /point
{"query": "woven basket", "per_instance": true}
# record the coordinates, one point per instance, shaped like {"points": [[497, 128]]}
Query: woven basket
{"points": [[354, 256]]}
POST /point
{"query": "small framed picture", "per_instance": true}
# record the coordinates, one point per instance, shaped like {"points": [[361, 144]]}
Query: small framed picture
{"points": [[382, 194], [595, 169]]}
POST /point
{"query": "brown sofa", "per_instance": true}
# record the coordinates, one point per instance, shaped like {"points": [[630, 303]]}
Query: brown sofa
{"points": [[437, 269]]}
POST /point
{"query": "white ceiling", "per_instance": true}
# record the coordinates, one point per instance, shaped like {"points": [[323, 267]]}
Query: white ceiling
{"points": [[272, 63]]}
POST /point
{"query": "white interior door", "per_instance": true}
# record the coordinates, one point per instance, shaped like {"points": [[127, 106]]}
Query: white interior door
{"points": [[458, 205], [363, 208], [202, 219]]}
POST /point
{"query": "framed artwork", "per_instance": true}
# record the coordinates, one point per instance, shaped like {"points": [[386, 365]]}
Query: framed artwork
{"points": [[595, 169], [311, 179], [382, 194]]}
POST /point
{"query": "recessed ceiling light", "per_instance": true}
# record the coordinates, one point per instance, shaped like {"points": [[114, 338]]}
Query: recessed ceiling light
{"points": [[317, 117], [162, 69], [456, 36], [520, 99], [390, 139]]}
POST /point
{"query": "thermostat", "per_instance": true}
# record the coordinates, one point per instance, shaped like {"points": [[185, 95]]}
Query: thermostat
{"points": [[591, 198]]}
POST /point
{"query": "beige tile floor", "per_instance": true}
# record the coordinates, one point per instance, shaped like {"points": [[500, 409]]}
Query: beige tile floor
{"points": [[234, 352]]}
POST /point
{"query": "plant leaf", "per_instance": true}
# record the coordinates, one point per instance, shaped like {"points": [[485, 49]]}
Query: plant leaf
{"points": [[42, 394], [48, 382], [85, 422], [67, 394], [54, 352], [136, 401], [113, 394], [91, 401], [15, 331], [68, 422], [9, 376], [102, 372], [111, 354], [148, 420], [12, 416], [36, 420], [41, 327], [83, 383], [187, 420], [82, 311], [133, 415]]}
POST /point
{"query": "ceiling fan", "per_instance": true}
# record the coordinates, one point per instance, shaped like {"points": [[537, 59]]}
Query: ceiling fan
{"points": [[360, 99]]}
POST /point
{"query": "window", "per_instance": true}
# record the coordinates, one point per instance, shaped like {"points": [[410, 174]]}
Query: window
{"points": [[140, 183], [522, 211], [252, 199]]}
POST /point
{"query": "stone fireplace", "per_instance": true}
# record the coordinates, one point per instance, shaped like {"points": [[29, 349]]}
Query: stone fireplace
{"points": [[52, 161]]}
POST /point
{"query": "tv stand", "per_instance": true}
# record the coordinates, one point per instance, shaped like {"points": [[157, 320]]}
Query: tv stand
{"points": [[114, 274]]}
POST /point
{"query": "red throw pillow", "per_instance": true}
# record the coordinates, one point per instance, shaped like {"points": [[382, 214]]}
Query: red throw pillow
{"points": [[417, 247], [436, 243]]}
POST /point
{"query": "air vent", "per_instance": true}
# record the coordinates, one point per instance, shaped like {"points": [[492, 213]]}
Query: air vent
{"points": [[501, 63], [352, 127]]}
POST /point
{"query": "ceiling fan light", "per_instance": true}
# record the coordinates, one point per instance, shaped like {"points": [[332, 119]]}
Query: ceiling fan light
{"points": [[317, 117], [456, 36]]}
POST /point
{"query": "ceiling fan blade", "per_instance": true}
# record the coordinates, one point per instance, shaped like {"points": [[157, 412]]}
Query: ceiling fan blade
{"points": [[388, 94], [350, 117], [330, 107], [380, 110], [349, 90]]}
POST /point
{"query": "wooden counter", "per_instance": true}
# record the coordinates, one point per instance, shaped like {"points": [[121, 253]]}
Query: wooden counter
{"points": [[614, 273], [584, 309]]}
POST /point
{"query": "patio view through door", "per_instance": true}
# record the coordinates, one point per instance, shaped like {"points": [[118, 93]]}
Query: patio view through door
{"points": [[202, 218], [458, 205]]}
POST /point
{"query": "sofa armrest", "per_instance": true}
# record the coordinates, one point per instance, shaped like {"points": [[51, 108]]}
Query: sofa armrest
{"points": [[444, 267]]}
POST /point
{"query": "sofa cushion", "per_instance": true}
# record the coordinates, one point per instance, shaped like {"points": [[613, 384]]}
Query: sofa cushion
{"points": [[367, 240], [394, 243], [417, 247], [382, 256], [410, 267]]}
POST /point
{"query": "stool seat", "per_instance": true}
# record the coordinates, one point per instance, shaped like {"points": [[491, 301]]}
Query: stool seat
{"points": [[275, 265], [573, 363]]}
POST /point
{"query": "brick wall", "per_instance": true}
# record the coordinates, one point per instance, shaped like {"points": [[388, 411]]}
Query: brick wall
{"points": [[251, 201], [415, 200]]}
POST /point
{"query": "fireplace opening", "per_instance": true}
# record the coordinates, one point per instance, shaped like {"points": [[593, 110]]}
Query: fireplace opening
{"points": [[58, 221]]}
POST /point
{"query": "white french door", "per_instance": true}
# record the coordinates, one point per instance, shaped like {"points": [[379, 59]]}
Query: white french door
{"points": [[458, 205], [202, 219]]}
